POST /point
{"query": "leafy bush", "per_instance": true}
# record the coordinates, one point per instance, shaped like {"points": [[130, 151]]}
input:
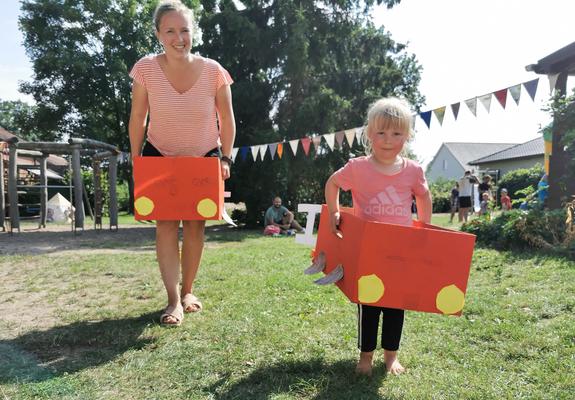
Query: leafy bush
{"points": [[441, 195], [518, 229], [520, 179]]}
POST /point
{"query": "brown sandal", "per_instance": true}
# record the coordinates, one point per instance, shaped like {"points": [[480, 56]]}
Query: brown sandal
{"points": [[191, 304], [175, 312]]}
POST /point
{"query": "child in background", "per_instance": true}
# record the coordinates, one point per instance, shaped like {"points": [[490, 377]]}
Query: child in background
{"points": [[484, 206], [505, 200], [382, 185], [454, 201]]}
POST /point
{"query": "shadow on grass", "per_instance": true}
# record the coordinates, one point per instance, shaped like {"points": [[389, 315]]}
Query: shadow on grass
{"points": [[40, 355], [227, 233], [313, 378]]}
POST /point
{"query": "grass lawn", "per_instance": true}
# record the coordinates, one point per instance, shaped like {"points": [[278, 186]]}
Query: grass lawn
{"points": [[84, 325]]}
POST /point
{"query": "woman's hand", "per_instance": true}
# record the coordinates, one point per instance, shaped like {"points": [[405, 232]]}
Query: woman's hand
{"points": [[334, 220], [225, 168]]}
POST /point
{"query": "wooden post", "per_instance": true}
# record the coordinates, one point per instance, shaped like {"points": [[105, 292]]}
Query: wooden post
{"points": [[2, 190], [557, 160], [113, 200], [77, 179], [97, 182], [13, 188], [43, 190]]}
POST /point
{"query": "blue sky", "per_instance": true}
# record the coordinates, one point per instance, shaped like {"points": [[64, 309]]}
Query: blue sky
{"points": [[466, 47]]}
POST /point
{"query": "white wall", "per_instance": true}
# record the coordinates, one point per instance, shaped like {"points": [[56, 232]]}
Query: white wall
{"points": [[444, 165]]}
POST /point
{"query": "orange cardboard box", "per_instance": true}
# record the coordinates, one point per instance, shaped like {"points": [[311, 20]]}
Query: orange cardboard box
{"points": [[421, 267], [178, 188]]}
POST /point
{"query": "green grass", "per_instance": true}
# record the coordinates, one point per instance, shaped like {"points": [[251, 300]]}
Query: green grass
{"points": [[90, 330]]}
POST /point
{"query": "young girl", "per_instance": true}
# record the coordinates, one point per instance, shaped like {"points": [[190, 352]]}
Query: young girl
{"points": [[505, 200], [382, 184]]}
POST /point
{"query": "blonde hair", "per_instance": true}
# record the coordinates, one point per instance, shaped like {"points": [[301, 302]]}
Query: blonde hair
{"points": [[166, 6], [387, 113]]}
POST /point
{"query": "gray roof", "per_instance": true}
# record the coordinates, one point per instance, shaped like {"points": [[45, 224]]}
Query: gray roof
{"points": [[531, 148], [466, 152]]}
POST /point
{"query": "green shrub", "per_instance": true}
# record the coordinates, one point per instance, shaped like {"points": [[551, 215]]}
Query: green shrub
{"points": [[441, 195], [520, 179], [518, 229]]}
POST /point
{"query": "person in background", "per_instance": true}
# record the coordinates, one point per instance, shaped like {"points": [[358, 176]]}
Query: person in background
{"points": [[279, 216], [454, 201], [505, 200], [465, 191], [485, 186], [543, 191]]}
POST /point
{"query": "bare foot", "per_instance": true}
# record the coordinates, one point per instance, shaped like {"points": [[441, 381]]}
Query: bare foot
{"points": [[392, 363], [364, 365]]}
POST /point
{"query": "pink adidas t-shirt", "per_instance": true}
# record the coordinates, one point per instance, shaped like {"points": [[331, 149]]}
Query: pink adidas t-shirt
{"points": [[380, 197], [182, 124]]}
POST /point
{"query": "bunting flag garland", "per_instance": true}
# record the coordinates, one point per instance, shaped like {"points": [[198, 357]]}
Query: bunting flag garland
{"points": [[244, 152], [426, 117], [339, 136], [316, 142], [552, 82], [515, 92], [501, 96], [531, 87], [349, 136], [255, 152], [455, 110], [305, 142], [293, 144], [486, 101], [439, 114], [273, 147], [330, 140], [472, 105]]}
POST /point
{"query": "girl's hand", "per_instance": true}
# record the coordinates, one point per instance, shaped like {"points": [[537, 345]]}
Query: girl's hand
{"points": [[225, 167], [334, 220]]}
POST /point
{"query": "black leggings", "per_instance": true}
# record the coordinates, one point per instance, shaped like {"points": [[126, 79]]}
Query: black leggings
{"points": [[150, 151], [368, 324]]}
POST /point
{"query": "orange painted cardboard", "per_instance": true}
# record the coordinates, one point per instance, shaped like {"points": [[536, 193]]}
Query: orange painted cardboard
{"points": [[421, 267], [178, 188]]}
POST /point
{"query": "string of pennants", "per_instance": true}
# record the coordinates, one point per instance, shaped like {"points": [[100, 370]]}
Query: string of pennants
{"points": [[258, 152], [500, 95]]}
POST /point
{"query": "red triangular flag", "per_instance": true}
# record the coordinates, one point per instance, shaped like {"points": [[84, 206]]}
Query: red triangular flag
{"points": [[305, 142], [280, 149], [501, 96]]}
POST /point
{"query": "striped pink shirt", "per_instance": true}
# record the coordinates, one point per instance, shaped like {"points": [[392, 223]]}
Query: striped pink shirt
{"points": [[182, 124]]}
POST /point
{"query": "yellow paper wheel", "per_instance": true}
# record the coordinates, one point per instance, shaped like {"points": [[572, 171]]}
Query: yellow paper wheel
{"points": [[450, 300], [369, 289], [207, 208], [144, 205]]}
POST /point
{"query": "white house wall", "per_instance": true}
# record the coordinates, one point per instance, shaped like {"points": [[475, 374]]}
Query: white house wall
{"points": [[506, 166], [444, 166]]}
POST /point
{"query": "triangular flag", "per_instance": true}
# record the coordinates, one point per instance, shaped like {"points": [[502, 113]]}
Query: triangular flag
{"points": [[339, 138], [316, 142], [455, 109], [273, 147], [244, 152], [486, 101], [439, 114], [501, 96], [293, 144], [305, 142], [552, 82], [330, 140], [280, 149], [350, 135], [515, 93], [426, 117], [531, 87], [255, 152], [359, 133], [234, 153], [472, 105], [262, 150]]}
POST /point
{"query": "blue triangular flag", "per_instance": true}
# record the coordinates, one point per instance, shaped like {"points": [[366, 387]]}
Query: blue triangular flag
{"points": [[455, 109], [426, 117], [244, 152], [531, 87]]}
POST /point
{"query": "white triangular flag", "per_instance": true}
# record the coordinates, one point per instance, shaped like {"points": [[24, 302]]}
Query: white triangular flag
{"points": [[359, 133], [262, 150], [234, 153], [552, 82], [486, 101], [350, 135], [293, 144], [255, 150], [515, 93], [472, 105], [330, 140]]}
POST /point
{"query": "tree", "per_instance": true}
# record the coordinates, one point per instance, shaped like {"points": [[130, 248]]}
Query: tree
{"points": [[317, 66], [21, 119]]}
